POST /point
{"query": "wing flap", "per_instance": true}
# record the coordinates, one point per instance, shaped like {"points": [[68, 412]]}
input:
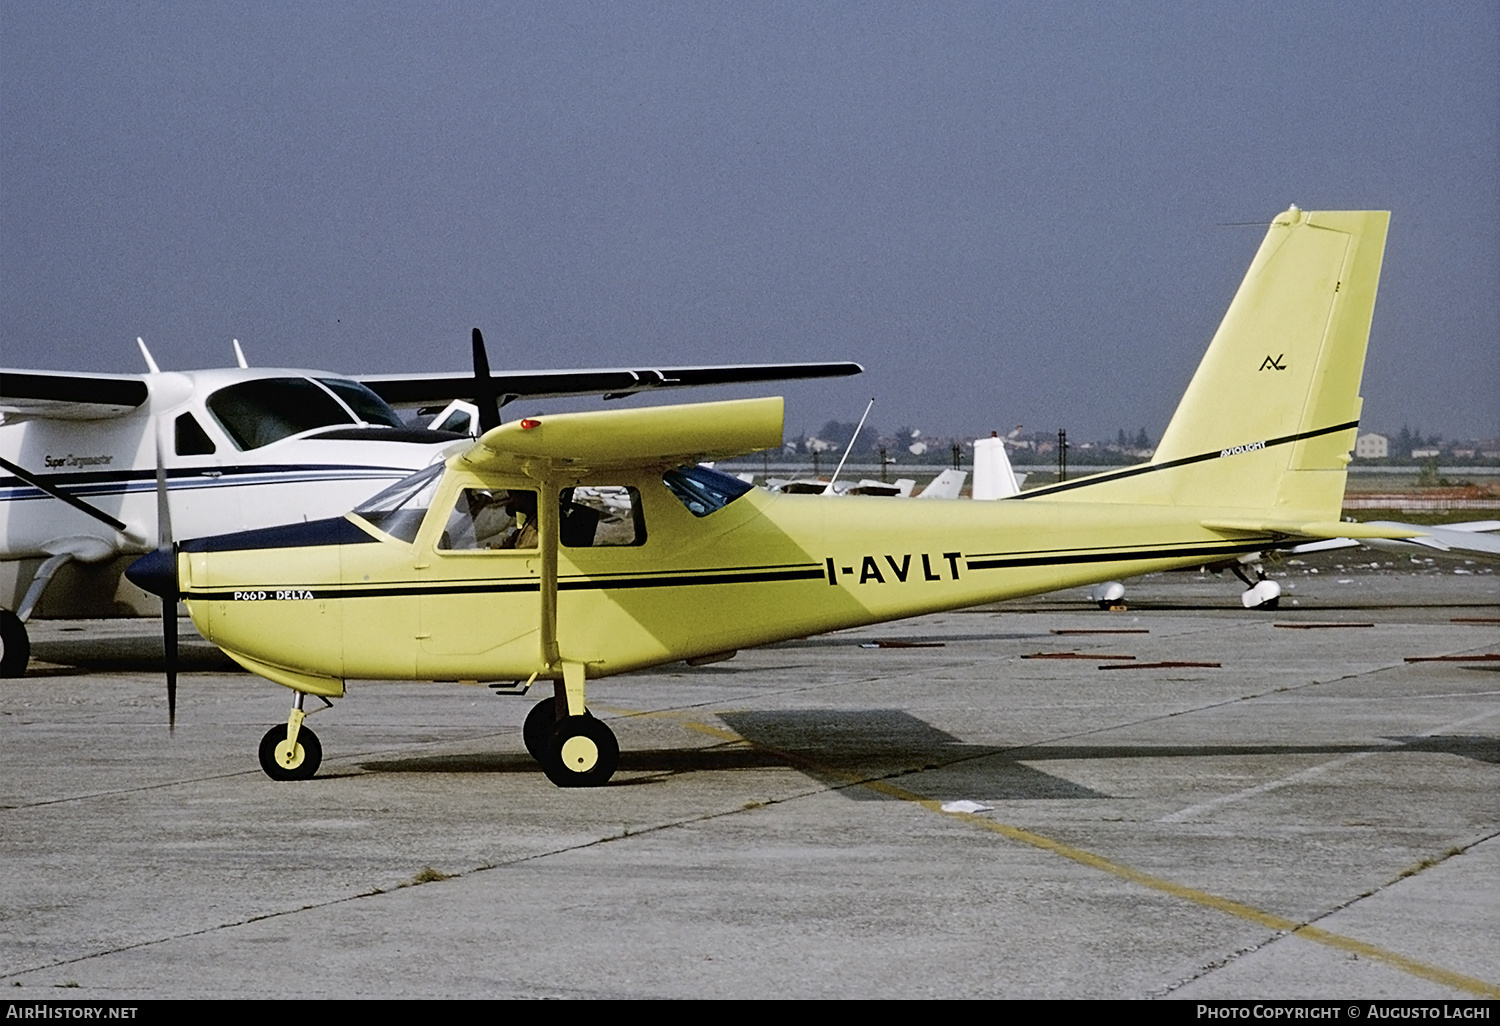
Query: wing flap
{"points": [[658, 435], [1312, 529]]}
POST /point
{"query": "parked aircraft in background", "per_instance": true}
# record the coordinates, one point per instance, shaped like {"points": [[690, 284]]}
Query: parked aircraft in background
{"points": [[238, 448], [1474, 541], [498, 565]]}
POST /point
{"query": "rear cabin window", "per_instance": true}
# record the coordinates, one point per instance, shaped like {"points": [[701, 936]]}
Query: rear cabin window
{"points": [[704, 490], [598, 516]]}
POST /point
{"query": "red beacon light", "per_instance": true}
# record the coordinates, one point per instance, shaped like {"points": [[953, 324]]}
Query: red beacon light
{"points": [[527, 424]]}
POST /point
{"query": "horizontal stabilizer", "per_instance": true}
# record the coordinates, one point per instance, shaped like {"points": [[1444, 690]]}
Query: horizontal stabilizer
{"points": [[658, 435], [1314, 529]]}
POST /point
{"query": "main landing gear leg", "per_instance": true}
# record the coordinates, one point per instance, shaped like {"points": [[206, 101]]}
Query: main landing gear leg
{"points": [[575, 749], [290, 751]]}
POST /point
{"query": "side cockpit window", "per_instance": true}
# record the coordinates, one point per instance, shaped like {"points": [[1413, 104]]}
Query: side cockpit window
{"points": [[191, 439], [490, 519], [704, 490], [398, 511]]}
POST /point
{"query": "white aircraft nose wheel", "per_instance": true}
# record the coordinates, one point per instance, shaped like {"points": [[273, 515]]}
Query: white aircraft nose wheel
{"points": [[580, 752], [283, 762]]}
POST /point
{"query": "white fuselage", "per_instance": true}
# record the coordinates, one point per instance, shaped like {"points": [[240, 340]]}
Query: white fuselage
{"points": [[111, 463]]}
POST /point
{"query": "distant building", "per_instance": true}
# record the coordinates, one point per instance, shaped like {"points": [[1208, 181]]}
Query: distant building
{"points": [[1372, 447], [1427, 453]]}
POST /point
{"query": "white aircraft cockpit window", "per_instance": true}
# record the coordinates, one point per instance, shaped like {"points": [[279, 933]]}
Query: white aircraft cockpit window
{"points": [[704, 490], [367, 406], [257, 413], [191, 439], [489, 519], [398, 511], [597, 516]]}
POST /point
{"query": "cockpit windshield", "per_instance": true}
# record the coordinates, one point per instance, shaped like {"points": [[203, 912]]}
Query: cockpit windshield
{"points": [[367, 406], [266, 410], [398, 511]]}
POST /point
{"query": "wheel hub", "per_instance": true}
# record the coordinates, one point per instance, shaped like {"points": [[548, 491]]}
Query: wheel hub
{"points": [[288, 756], [579, 754]]}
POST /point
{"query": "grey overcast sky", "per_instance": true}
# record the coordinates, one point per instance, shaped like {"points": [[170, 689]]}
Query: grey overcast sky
{"points": [[1009, 212]]}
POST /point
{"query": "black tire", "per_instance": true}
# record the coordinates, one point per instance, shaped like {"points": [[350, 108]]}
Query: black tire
{"points": [[1270, 603], [581, 765], [539, 723], [15, 646], [307, 741]]}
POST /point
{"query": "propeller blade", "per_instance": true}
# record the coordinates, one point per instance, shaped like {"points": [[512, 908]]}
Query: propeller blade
{"points": [[484, 387], [164, 547], [169, 646]]}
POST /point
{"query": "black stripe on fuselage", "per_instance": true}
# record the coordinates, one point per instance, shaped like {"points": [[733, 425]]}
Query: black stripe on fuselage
{"points": [[673, 580], [1075, 558], [1151, 468], [688, 579]]}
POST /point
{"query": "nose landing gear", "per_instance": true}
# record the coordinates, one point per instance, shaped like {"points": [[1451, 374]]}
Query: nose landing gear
{"points": [[290, 751]]}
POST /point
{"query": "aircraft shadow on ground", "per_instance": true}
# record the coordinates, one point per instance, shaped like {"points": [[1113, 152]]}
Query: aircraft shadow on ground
{"points": [[898, 642], [841, 747], [94, 655]]}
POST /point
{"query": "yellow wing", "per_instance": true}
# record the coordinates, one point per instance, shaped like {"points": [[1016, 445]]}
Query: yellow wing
{"points": [[659, 435]]}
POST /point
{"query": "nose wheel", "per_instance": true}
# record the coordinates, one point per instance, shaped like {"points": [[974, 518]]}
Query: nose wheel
{"points": [[284, 760]]}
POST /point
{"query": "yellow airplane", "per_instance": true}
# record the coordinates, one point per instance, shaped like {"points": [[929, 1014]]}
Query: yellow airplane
{"points": [[572, 547]]}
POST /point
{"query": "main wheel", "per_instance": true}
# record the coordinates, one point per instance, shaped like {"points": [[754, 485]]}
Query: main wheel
{"points": [[15, 646], [539, 723], [282, 762], [580, 752]]}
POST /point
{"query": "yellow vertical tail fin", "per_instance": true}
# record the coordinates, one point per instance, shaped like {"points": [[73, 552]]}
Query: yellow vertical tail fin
{"points": [[1269, 419]]}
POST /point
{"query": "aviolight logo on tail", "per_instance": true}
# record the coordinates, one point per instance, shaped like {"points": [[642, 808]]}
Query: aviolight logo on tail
{"points": [[1235, 450]]}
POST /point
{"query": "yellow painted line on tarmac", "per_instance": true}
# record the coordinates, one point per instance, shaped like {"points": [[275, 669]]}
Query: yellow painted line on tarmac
{"points": [[1239, 910]]}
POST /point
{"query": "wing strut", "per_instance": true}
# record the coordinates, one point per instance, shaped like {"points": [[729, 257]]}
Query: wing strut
{"points": [[57, 493], [548, 532], [568, 699]]}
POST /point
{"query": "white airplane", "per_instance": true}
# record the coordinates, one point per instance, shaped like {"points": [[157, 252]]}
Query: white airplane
{"points": [[238, 449]]}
